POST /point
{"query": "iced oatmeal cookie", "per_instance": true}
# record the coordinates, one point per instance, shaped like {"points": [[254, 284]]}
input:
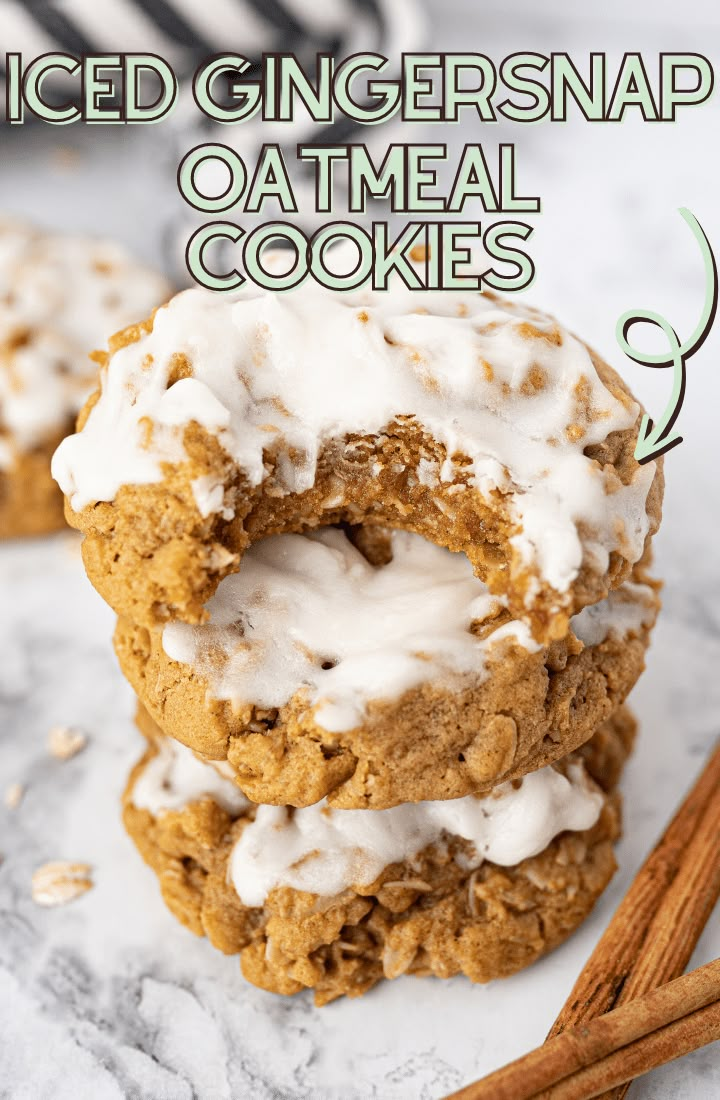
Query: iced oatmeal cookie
{"points": [[335, 900], [381, 677], [481, 424], [60, 297]]}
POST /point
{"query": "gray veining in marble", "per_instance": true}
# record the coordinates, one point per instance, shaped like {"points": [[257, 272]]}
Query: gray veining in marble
{"points": [[109, 997]]}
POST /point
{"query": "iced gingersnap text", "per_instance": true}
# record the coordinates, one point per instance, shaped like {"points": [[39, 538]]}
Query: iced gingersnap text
{"points": [[252, 206]]}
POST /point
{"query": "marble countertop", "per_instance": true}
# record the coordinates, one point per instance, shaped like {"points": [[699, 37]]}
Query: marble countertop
{"points": [[108, 997]]}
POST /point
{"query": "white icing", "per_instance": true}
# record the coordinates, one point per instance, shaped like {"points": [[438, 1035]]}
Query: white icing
{"points": [[300, 602], [303, 601], [174, 778], [298, 368], [626, 611], [325, 851], [60, 298], [209, 496]]}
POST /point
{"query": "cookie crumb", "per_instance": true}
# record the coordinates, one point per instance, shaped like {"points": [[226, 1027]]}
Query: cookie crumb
{"points": [[59, 882], [219, 558], [14, 795], [65, 742]]}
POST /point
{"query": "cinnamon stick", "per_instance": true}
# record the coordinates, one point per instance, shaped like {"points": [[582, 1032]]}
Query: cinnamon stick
{"points": [[658, 923], [678, 923], [608, 1051], [648, 942], [621, 1068]]}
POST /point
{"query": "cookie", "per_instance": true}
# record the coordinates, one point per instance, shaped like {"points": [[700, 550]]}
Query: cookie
{"points": [[60, 296], [379, 678], [30, 503], [478, 423], [337, 921]]}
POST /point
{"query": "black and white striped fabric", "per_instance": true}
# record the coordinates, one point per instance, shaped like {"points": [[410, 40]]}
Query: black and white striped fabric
{"points": [[183, 32]]}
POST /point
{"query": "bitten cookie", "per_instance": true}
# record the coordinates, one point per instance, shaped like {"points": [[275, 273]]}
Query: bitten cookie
{"points": [[335, 900], [380, 679], [60, 297], [478, 423]]}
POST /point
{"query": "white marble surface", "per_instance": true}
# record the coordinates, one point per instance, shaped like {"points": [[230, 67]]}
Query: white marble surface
{"points": [[109, 997]]}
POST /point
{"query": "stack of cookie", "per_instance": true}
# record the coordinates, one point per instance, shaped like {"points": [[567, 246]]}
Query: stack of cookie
{"points": [[59, 296], [380, 567]]}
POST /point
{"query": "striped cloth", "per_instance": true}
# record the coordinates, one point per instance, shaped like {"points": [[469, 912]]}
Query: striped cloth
{"points": [[183, 32]]}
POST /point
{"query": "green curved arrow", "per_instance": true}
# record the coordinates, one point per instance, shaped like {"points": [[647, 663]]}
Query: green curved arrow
{"points": [[655, 439]]}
